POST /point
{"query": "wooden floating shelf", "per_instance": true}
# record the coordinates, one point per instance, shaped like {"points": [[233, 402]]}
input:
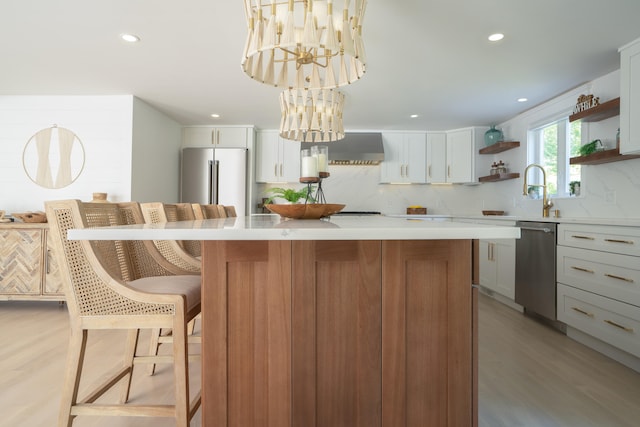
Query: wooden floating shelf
{"points": [[599, 112], [499, 177], [499, 147], [600, 157]]}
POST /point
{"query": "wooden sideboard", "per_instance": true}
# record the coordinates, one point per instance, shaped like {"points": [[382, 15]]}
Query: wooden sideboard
{"points": [[28, 270], [357, 333]]}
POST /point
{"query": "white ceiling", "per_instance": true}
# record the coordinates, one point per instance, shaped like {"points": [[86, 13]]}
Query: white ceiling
{"points": [[426, 57]]}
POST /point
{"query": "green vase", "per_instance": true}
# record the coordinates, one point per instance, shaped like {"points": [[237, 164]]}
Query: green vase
{"points": [[492, 136]]}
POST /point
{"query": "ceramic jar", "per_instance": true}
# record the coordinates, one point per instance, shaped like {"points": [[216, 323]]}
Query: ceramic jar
{"points": [[492, 136]]}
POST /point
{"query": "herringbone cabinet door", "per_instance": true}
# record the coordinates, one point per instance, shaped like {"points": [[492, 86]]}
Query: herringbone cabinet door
{"points": [[20, 261]]}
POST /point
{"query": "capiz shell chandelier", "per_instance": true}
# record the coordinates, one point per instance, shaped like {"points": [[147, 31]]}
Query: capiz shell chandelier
{"points": [[309, 44], [311, 115]]}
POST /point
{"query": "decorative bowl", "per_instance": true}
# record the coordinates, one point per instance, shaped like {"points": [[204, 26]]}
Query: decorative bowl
{"points": [[306, 211], [37, 217], [486, 213]]}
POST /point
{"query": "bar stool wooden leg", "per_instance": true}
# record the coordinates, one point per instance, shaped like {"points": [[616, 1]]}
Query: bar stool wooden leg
{"points": [[154, 344], [75, 361], [129, 354], [181, 370]]}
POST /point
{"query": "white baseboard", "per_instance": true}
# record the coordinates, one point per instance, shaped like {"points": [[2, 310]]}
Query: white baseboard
{"points": [[502, 299], [614, 353]]}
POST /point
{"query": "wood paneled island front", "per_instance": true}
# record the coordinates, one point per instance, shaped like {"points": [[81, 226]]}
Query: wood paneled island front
{"points": [[347, 322]]}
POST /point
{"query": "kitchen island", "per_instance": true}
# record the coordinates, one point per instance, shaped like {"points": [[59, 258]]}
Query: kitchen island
{"points": [[352, 321]]}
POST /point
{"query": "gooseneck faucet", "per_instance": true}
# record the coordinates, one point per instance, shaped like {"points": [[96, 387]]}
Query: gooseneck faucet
{"points": [[546, 203]]}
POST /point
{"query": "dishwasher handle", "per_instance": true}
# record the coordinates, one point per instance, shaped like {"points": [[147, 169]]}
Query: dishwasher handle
{"points": [[544, 230]]}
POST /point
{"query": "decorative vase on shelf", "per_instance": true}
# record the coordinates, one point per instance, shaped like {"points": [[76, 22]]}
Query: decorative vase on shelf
{"points": [[492, 136]]}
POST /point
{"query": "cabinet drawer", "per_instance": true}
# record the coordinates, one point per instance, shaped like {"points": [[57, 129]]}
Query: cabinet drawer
{"points": [[611, 275], [613, 322], [620, 240]]}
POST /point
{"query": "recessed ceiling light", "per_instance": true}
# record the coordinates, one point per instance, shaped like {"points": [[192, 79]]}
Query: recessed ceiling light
{"points": [[215, 116], [496, 37], [131, 38], [413, 116], [522, 99]]}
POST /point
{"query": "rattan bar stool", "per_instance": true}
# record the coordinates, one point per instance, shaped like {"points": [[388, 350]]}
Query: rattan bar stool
{"points": [[230, 211], [103, 292], [156, 213], [183, 212]]}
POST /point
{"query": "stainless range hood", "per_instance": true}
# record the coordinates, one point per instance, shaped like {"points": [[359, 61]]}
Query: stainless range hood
{"points": [[357, 148]]}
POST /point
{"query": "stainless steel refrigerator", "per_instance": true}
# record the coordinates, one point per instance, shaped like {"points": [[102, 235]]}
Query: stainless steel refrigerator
{"points": [[214, 176]]}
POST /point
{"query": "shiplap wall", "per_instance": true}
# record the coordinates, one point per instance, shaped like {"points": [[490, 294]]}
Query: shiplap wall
{"points": [[107, 126]]}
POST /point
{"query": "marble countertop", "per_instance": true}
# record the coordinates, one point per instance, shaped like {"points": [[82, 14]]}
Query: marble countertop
{"points": [[272, 227], [623, 222]]}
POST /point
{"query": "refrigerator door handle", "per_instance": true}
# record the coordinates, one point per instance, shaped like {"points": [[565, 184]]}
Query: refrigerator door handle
{"points": [[213, 181]]}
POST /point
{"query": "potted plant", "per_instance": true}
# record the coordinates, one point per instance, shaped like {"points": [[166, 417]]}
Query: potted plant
{"points": [[574, 188], [291, 195], [533, 192]]}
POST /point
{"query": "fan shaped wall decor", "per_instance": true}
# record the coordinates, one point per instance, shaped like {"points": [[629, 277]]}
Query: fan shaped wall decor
{"points": [[53, 152]]}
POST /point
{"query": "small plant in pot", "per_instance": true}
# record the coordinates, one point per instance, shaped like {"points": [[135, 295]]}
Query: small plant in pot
{"points": [[291, 195], [574, 188]]}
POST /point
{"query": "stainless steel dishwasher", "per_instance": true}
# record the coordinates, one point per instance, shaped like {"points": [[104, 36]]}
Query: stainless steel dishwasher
{"points": [[536, 268]]}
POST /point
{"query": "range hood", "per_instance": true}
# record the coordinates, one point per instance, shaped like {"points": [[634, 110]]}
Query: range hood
{"points": [[357, 148]]}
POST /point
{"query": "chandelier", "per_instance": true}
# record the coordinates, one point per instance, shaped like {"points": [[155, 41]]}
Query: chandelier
{"points": [[311, 115], [304, 43]]}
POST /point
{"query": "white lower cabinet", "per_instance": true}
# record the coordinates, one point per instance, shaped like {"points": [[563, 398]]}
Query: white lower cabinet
{"points": [[498, 266], [611, 321], [599, 283], [277, 160], [496, 259]]}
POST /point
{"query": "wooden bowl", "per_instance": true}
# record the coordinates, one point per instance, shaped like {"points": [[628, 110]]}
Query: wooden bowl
{"points": [[486, 213], [416, 211], [306, 211], [31, 216]]}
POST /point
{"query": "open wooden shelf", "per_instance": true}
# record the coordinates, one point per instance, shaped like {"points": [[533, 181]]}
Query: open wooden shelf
{"points": [[600, 157], [499, 147], [599, 112], [499, 177]]}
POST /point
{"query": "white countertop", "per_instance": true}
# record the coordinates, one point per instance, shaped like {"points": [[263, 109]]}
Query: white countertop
{"points": [[622, 222], [272, 227]]}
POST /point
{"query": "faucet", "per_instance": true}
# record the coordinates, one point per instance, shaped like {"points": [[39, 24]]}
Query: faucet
{"points": [[546, 203]]}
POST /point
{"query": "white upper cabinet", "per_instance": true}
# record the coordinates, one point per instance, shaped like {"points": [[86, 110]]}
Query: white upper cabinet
{"points": [[217, 137], [277, 159], [630, 98], [404, 157], [436, 157], [462, 153]]}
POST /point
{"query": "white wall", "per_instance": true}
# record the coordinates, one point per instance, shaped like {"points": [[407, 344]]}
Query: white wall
{"points": [[107, 126], [103, 125], [358, 187], [608, 191], [156, 155]]}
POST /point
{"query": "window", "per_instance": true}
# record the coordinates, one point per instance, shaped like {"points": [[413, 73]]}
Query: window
{"points": [[551, 146]]}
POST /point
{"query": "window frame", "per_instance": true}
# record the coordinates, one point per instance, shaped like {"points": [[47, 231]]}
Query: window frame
{"points": [[535, 154]]}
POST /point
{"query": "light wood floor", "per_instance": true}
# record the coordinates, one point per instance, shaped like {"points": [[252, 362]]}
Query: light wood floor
{"points": [[530, 375]]}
